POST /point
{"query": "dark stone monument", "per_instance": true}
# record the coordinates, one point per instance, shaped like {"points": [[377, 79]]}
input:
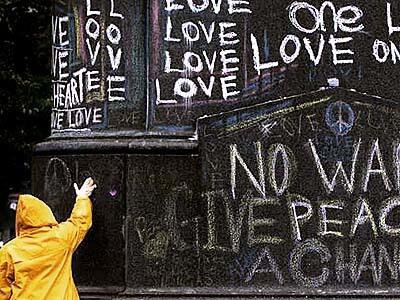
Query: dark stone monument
{"points": [[228, 161]]}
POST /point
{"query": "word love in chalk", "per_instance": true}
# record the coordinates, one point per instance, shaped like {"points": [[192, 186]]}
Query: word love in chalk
{"points": [[195, 63], [76, 118], [113, 37], [224, 34], [345, 19], [113, 34], [234, 6]]}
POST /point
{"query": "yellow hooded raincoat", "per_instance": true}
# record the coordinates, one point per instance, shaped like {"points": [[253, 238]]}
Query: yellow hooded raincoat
{"points": [[36, 265]]}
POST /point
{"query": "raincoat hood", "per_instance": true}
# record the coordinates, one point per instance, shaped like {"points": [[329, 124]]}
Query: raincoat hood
{"points": [[37, 264], [32, 213]]}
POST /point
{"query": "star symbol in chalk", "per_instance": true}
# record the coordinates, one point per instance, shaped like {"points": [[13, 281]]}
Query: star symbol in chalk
{"points": [[266, 129]]}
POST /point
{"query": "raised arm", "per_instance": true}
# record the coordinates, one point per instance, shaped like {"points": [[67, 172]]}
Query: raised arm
{"points": [[80, 221]]}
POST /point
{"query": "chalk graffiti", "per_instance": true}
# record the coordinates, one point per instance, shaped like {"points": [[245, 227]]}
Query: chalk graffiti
{"points": [[222, 63], [308, 194], [159, 235], [212, 56], [58, 178], [81, 52], [339, 118]]}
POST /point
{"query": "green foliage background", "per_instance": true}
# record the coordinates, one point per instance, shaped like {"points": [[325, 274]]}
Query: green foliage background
{"points": [[25, 87]]}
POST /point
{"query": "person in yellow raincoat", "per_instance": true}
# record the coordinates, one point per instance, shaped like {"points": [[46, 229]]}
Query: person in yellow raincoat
{"points": [[36, 265]]}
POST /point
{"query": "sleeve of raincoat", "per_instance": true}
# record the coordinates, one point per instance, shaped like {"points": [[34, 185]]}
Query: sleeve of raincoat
{"points": [[6, 275], [75, 228]]}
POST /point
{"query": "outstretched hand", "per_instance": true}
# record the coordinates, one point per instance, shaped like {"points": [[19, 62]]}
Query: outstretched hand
{"points": [[86, 189]]}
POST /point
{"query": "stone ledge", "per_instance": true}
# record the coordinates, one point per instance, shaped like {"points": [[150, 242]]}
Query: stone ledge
{"points": [[118, 145]]}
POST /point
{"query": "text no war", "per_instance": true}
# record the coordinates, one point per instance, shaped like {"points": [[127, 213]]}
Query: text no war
{"points": [[275, 166]]}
